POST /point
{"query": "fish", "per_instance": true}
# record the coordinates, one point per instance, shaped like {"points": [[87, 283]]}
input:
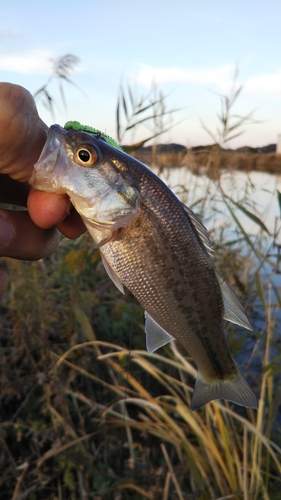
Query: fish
{"points": [[156, 247]]}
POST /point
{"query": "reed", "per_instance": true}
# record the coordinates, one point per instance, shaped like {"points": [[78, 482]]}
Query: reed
{"points": [[86, 413]]}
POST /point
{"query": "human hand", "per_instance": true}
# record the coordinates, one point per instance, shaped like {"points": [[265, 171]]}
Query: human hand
{"points": [[27, 235]]}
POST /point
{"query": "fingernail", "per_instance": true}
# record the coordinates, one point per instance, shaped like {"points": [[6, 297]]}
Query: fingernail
{"points": [[6, 231]]}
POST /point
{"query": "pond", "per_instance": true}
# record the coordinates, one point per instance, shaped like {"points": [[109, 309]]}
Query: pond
{"points": [[252, 200], [256, 193], [257, 190]]}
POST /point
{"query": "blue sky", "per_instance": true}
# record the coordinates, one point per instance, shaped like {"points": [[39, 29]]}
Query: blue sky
{"points": [[189, 48]]}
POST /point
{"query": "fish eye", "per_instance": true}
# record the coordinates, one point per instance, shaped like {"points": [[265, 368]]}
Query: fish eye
{"points": [[86, 156]]}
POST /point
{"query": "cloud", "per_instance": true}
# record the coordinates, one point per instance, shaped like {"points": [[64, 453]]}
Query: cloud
{"points": [[221, 76], [36, 62], [264, 84], [7, 32]]}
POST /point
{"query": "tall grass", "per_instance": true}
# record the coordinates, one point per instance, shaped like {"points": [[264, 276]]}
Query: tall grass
{"points": [[86, 413]]}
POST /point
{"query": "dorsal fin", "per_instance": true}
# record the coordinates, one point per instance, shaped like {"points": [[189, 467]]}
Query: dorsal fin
{"points": [[233, 309], [201, 231], [156, 336]]}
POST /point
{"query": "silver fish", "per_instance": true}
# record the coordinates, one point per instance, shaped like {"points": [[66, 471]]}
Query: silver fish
{"points": [[155, 246]]}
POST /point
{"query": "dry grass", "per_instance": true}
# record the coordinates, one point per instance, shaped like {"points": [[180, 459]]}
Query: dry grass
{"points": [[85, 413], [83, 416]]}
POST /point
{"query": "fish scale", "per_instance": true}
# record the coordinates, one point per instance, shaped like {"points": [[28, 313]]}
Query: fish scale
{"points": [[156, 247], [171, 300]]}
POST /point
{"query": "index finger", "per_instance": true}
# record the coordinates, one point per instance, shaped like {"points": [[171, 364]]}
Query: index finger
{"points": [[50, 209]]}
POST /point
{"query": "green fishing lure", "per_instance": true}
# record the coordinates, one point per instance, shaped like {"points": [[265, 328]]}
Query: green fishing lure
{"points": [[94, 131]]}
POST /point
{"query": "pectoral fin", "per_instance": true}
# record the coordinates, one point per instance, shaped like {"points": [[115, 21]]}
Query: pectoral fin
{"points": [[100, 235], [233, 309], [112, 274], [156, 336]]}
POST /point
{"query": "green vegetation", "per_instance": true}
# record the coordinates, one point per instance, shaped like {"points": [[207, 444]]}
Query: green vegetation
{"points": [[86, 413]]}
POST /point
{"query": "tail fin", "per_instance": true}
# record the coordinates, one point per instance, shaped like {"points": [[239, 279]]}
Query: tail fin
{"points": [[235, 389]]}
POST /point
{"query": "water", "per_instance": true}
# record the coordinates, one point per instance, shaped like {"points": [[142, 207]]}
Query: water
{"points": [[257, 193]]}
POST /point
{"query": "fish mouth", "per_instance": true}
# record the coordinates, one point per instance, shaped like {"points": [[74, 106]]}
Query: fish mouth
{"points": [[51, 163], [52, 146]]}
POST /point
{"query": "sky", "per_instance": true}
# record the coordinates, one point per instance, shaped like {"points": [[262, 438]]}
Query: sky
{"points": [[189, 50]]}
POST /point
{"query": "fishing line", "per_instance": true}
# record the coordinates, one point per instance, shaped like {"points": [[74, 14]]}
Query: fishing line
{"points": [[127, 368]]}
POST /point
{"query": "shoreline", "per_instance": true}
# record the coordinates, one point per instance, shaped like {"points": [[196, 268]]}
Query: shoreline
{"points": [[213, 158]]}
